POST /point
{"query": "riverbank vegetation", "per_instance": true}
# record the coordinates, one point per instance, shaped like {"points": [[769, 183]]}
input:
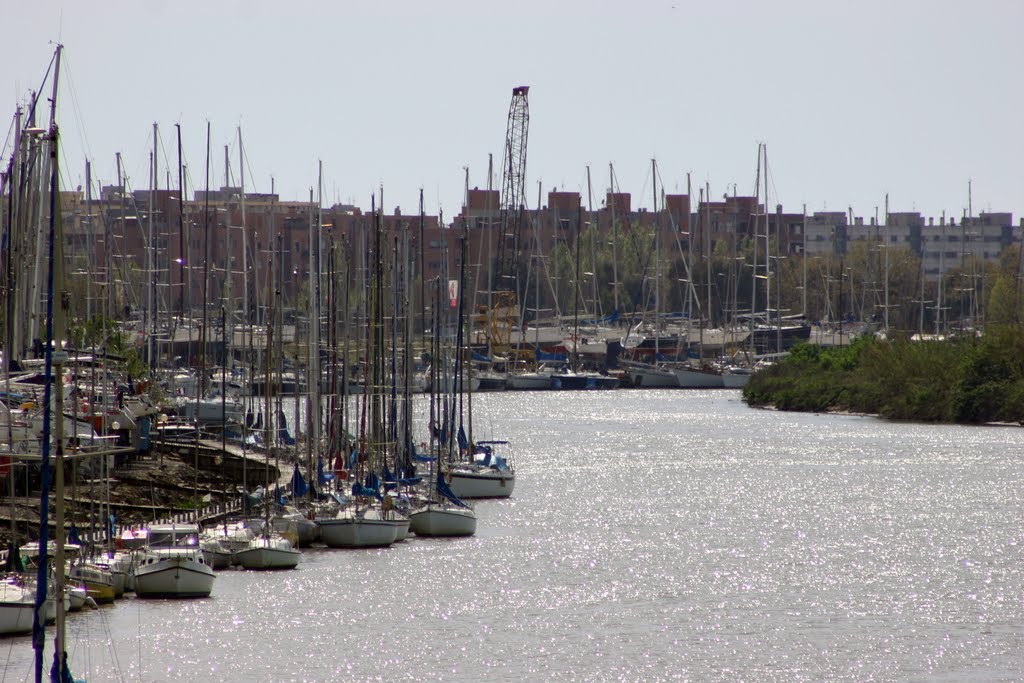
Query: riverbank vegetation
{"points": [[963, 380]]}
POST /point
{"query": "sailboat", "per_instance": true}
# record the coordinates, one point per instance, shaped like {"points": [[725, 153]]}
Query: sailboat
{"points": [[444, 513], [369, 519], [55, 356]]}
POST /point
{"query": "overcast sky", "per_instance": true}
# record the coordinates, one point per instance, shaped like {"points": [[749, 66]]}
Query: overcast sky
{"points": [[853, 99]]}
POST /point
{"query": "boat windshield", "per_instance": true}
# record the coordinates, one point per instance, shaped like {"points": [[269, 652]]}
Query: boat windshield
{"points": [[170, 539]]}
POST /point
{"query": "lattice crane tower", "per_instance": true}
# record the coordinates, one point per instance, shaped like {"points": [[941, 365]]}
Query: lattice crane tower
{"points": [[513, 185]]}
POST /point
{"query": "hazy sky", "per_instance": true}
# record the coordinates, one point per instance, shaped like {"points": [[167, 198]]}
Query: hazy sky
{"points": [[854, 99]]}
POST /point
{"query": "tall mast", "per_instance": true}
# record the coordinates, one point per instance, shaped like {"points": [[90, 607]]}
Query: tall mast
{"points": [[206, 270], [245, 236], [657, 259], [593, 244], [181, 230], [886, 285], [615, 256], [150, 321], [229, 266]]}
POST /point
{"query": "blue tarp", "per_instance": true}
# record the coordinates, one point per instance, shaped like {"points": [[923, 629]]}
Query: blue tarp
{"points": [[299, 488], [550, 357], [360, 490]]}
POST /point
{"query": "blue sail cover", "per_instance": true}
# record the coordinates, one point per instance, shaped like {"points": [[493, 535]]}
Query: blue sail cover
{"points": [[550, 357], [463, 441], [299, 487], [421, 458], [322, 477], [446, 491]]}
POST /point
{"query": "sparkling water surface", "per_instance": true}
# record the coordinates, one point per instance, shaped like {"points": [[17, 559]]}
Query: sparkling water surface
{"points": [[653, 536]]}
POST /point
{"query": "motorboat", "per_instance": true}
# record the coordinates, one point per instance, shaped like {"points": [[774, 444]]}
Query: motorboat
{"points": [[173, 564]]}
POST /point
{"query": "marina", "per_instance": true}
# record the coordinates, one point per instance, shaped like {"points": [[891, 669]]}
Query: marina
{"points": [[260, 423], [653, 535]]}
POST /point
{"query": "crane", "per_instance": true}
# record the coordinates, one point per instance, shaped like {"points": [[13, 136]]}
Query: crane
{"points": [[513, 197]]}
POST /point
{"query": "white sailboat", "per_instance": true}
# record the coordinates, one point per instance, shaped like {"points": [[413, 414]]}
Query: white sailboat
{"points": [[269, 551], [359, 526], [17, 605], [486, 475]]}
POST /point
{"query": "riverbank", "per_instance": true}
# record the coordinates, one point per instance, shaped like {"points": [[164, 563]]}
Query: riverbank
{"points": [[963, 381]]}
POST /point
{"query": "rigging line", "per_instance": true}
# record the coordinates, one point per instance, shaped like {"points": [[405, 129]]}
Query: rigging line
{"points": [[35, 96], [250, 177], [10, 135], [165, 158], [76, 109], [643, 188]]}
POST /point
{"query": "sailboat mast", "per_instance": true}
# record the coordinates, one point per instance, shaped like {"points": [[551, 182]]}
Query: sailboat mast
{"points": [[886, 252], [181, 232], [150, 321], [206, 272], [657, 260], [42, 578], [228, 306], [615, 256]]}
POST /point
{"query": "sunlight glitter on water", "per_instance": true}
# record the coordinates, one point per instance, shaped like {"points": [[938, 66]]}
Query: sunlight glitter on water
{"points": [[653, 536]]}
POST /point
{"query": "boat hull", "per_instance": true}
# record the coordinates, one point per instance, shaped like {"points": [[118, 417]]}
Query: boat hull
{"points": [[271, 556], [216, 555], [173, 577], [654, 379], [304, 530], [16, 610], [351, 532], [443, 521], [691, 378], [529, 382], [99, 584], [489, 483]]}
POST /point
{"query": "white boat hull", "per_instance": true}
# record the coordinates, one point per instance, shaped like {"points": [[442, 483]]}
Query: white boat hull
{"points": [[401, 529], [691, 378], [215, 554], [265, 553], [487, 483], [654, 379], [436, 520], [16, 609], [304, 530], [183, 576], [352, 532]]}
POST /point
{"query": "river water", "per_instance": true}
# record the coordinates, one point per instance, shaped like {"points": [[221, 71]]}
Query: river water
{"points": [[653, 536]]}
